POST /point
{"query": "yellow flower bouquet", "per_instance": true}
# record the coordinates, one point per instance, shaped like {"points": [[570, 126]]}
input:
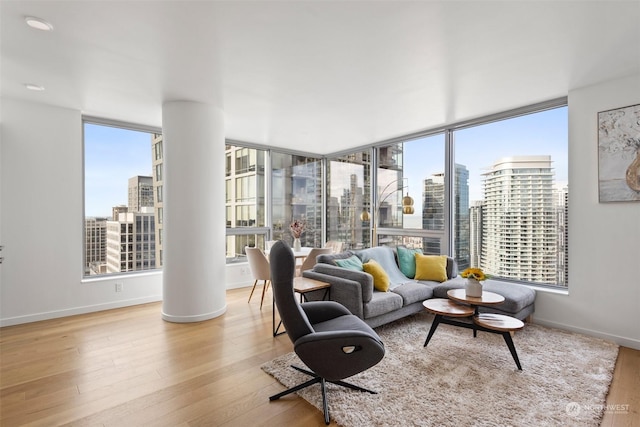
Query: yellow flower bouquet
{"points": [[474, 273]]}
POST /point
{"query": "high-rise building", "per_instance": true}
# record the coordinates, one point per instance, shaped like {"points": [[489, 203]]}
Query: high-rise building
{"points": [[461, 225], [356, 234], [349, 209], [117, 210], [519, 225], [140, 193], [156, 162], [475, 233], [95, 234], [562, 220], [244, 184], [433, 214], [131, 242]]}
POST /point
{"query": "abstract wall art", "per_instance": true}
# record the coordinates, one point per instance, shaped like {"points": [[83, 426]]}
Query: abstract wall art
{"points": [[619, 154]]}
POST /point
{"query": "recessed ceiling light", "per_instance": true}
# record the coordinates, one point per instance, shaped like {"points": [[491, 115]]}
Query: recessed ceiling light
{"points": [[35, 87], [38, 24]]}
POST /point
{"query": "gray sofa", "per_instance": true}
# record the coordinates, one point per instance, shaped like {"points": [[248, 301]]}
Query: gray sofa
{"points": [[355, 290]]}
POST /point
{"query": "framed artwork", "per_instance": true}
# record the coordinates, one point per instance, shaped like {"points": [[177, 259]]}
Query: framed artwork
{"points": [[619, 154]]}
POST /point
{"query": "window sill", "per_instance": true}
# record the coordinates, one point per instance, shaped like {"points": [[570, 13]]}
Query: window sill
{"points": [[118, 276], [547, 290]]}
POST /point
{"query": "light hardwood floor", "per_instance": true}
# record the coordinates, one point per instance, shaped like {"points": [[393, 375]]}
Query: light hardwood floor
{"points": [[128, 367]]}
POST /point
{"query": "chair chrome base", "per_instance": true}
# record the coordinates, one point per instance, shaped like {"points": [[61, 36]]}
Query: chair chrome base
{"points": [[322, 381]]}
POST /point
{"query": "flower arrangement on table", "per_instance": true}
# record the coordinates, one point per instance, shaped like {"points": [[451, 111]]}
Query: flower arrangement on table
{"points": [[297, 227], [473, 288], [474, 273]]}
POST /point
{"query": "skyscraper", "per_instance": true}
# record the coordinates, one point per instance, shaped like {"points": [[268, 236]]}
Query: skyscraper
{"points": [[562, 206], [519, 224], [131, 242], [475, 233], [156, 162], [461, 225], [95, 234], [140, 193], [433, 214]]}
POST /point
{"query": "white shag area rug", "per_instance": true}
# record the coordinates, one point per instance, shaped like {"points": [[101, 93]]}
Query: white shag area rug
{"points": [[458, 380]]}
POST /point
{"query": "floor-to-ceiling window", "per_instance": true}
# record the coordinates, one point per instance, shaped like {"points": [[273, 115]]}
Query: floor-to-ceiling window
{"points": [[245, 200], [493, 193], [413, 168], [121, 197], [516, 197], [349, 199], [296, 194]]}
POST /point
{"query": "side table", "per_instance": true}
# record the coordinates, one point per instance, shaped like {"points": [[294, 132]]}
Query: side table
{"points": [[461, 306]]}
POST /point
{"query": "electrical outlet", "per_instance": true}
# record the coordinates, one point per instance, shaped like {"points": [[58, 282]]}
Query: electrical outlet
{"points": [[119, 287]]}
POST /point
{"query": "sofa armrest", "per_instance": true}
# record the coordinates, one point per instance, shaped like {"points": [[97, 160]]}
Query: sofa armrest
{"points": [[345, 291], [452, 268], [364, 279]]}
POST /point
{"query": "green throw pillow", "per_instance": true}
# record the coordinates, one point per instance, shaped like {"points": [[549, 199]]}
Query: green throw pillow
{"points": [[380, 277], [351, 263], [407, 260]]}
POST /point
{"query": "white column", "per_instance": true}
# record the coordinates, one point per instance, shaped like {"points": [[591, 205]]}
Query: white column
{"points": [[194, 212]]}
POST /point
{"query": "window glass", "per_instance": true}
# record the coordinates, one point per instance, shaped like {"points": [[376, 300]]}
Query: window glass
{"points": [[349, 200], [121, 169], [511, 216], [411, 179], [296, 190], [245, 200]]}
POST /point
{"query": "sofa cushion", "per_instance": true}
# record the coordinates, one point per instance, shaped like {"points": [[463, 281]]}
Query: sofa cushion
{"points": [[386, 258], [380, 277], [431, 267], [351, 263], [413, 292], [407, 260], [382, 303]]}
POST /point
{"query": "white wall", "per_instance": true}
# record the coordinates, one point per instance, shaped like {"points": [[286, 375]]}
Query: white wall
{"points": [[604, 238], [42, 221], [41, 227]]}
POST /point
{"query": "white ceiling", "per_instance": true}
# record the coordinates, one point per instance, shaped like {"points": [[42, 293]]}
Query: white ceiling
{"points": [[318, 76]]}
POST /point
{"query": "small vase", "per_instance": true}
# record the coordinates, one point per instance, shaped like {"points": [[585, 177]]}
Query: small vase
{"points": [[473, 288], [296, 245], [633, 173]]}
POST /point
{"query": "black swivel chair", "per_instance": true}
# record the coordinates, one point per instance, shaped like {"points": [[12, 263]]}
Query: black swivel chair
{"points": [[331, 341]]}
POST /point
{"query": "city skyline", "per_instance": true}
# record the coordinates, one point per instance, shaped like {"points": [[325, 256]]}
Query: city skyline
{"points": [[113, 155]]}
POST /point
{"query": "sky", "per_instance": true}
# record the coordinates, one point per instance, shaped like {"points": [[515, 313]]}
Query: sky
{"points": [[113, 155]]}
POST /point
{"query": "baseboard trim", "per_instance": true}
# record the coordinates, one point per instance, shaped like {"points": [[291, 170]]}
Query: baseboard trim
{"points": [[48, 315], [623, 341], [195, 317]]}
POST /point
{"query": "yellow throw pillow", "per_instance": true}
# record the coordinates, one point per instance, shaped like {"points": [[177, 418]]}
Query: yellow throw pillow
{"points": [[431, 267], [380, 277]]}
